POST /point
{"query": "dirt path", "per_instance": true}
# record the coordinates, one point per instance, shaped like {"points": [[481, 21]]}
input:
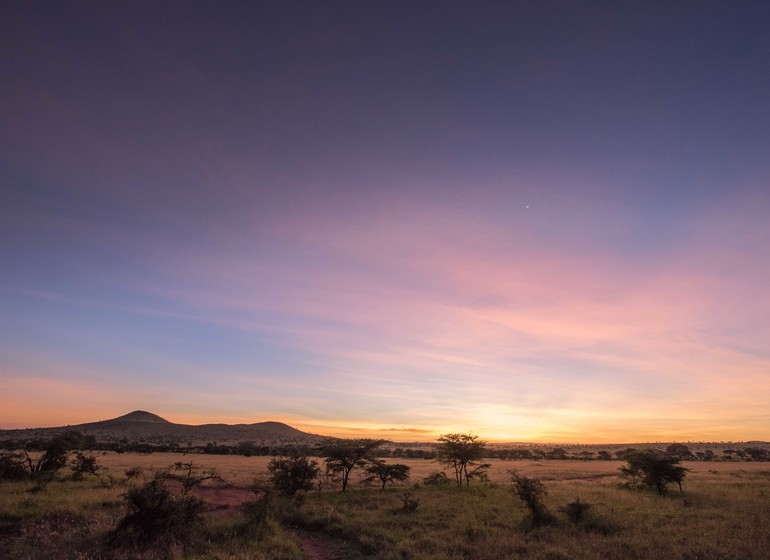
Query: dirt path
{"points": [[318, 546], [224, 500]]}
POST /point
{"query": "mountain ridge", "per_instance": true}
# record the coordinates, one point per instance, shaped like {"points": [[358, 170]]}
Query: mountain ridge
{"points": [[149, 427]]}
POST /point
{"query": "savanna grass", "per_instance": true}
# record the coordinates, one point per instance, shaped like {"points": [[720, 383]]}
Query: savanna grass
{"points": [[723, 513]]}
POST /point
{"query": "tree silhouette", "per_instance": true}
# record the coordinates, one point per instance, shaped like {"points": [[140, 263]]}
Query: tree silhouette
{"points": [[343, 455], [653, 469], [461, 451]]}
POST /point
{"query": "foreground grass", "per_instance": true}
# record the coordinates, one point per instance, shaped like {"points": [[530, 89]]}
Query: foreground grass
{"points": [[720, 516], [73, 519], [724, 514]]}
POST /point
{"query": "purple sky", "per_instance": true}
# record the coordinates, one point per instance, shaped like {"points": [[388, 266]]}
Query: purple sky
{"points": [[530, 220]]}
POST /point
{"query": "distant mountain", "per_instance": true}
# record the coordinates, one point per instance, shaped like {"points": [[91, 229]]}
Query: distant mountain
{"points": [[135, 416], [147, 427]]}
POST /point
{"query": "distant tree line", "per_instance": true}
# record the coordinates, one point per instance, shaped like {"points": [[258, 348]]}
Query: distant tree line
{"points": [[273, 449]]}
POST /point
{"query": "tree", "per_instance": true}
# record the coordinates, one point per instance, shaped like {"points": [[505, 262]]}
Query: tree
{"points": [[757, 453], [56, 453], [461, 451], [343, 455], [679, 450], [83, 464], [653, 469], [290, 475], [557, 453], [385, 472]]}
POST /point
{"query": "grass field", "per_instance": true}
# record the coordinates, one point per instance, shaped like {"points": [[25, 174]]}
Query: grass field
{"points": [[723, 513]]}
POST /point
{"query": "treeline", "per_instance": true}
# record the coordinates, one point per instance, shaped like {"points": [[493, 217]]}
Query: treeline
{"points": [[678, 450], [273, 449]]}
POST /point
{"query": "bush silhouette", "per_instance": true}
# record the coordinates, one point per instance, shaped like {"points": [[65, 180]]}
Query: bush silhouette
{"points": [[531, 492], [158, 516], [575, 510], [290, 475]]}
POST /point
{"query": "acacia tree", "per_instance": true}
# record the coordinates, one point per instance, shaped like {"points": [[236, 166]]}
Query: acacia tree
{"points": [[653, 469], [384, 472], [343, 455], [462, 453]]}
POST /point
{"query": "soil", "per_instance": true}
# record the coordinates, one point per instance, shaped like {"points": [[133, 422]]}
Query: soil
{"points": [[318, 546], [224, 500]]}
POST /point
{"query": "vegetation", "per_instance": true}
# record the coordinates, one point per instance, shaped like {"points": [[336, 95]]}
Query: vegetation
{"points": [[462, 453], [532, 492], [157, 514], [653, 469], [290, 475], [344, 455], [723, 515], [384, 472], [575, 511]]}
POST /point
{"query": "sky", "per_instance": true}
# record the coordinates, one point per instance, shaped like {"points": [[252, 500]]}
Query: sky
{"points": [[533, 221]]}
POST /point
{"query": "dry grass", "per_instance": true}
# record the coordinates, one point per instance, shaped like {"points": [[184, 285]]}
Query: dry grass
{"points": [[724, 513]]}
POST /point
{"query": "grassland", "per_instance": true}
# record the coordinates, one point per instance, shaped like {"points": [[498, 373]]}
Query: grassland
{"points": [[724, 513]]}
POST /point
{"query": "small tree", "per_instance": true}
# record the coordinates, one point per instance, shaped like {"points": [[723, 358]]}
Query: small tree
{"points": [[83, 464], [56, 454], [290, 475], [384, 472], [653, 469], [344, 455], [461, 451], [679, 450], [531, 492]]}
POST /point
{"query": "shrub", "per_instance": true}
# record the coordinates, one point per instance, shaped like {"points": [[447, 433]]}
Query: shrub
{"points": [[410, 504], [290, 475], [531, 492], [12, 466], [575, 510], [83, 464], [436, 479], [132, 473], [156, 516]]}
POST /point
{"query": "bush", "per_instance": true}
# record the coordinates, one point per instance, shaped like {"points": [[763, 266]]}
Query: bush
{"points": [[436, 479], [531, 492], [156, 516], [409, 503], [83, 464], [12, 466], [575, 510], [290, 475]]}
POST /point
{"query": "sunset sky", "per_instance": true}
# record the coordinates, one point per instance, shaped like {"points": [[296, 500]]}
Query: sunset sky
{"points": [[535, 221]]}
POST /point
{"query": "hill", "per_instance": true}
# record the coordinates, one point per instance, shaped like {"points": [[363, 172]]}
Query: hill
{"points": [[147, 427]]}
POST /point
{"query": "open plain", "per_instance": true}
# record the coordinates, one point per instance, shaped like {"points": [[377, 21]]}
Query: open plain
{"points": [[723, 513]]}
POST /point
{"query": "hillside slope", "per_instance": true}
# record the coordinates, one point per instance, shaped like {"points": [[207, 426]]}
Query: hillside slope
{"points": [[147, 427]]}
